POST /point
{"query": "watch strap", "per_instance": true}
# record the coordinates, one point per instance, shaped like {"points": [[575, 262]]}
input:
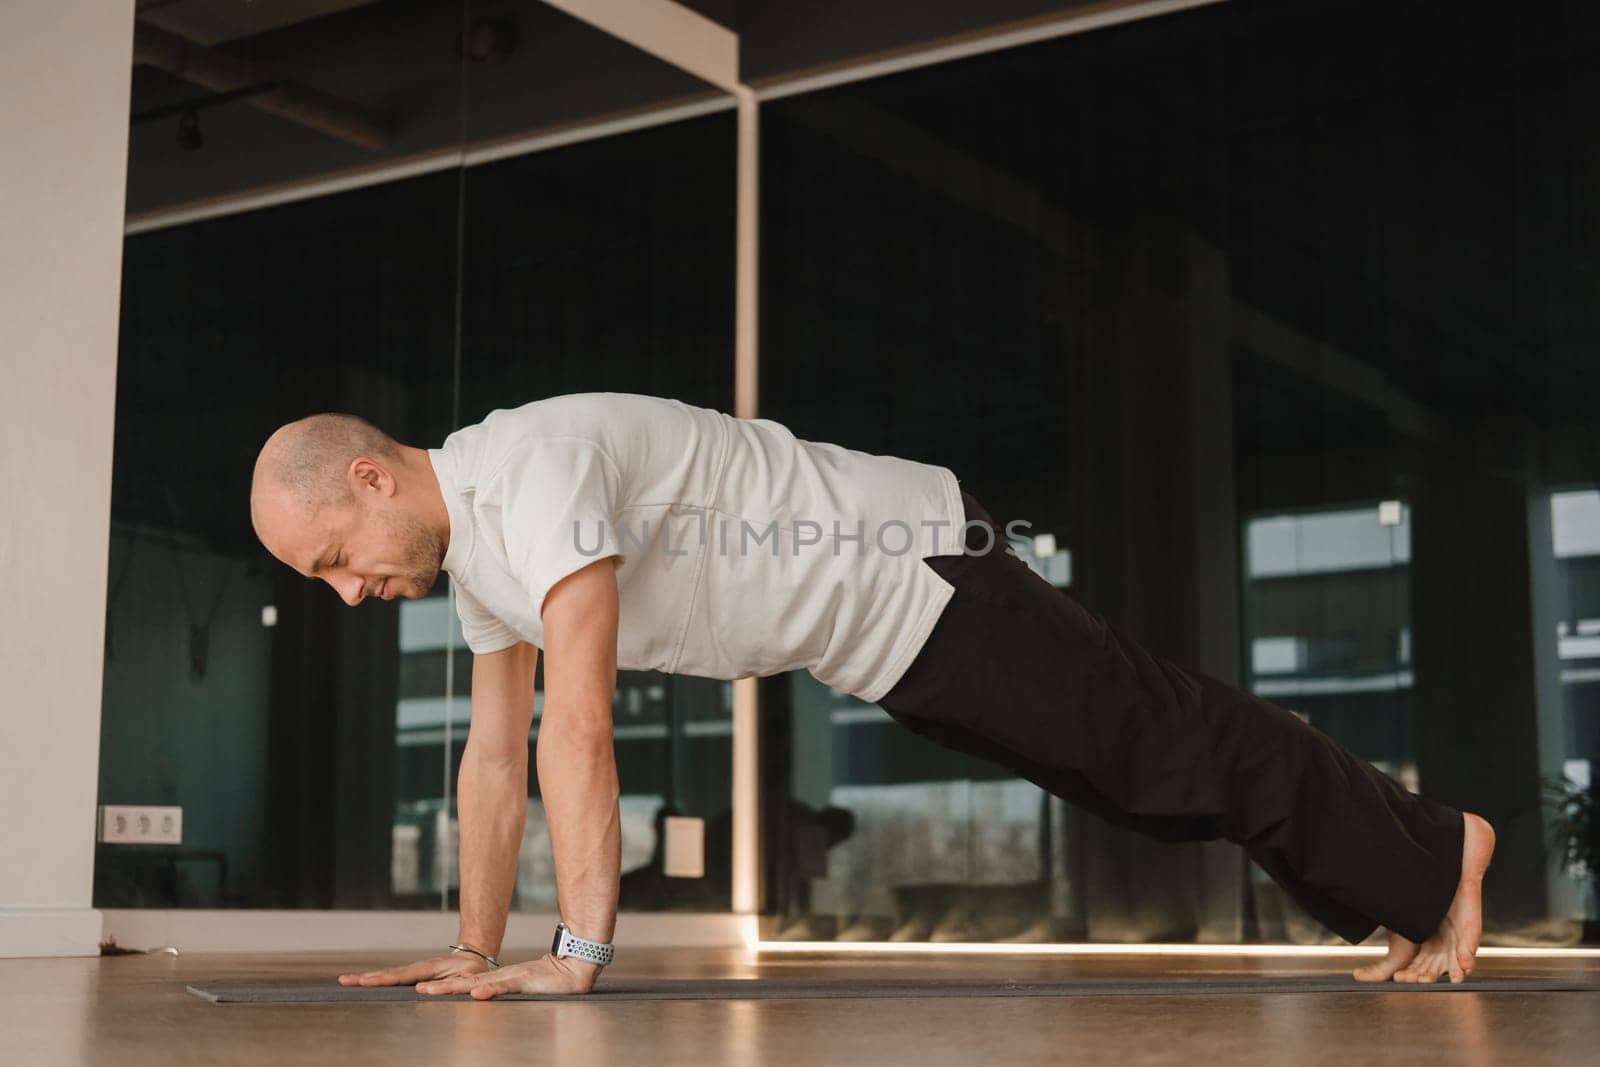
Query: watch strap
{"points": [[567, 943]]}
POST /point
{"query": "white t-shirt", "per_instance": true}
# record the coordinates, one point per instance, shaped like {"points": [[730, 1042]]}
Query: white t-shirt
{"points": [[743, 550]]}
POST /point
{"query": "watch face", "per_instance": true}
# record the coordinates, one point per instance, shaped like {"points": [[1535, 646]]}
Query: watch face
{"points": [[555, 942]]}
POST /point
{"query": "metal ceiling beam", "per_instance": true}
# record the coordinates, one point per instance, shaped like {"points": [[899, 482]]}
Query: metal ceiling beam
{"points": [[223, 73], [1081, 18], [669, 31]]}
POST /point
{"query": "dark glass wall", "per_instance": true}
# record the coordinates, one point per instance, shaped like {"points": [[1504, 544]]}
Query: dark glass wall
{"points": [[1275, 322], [276, 740], [312, 747]]}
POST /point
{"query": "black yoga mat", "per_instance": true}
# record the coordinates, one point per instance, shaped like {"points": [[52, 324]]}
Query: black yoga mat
{"points": [[330, 992]]}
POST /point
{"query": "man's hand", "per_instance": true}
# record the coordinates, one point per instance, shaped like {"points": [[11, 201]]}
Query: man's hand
{"points": [[454, 965], [545, 975]]}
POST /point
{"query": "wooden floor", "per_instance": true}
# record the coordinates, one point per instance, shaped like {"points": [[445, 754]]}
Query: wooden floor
{"points": [[132, 1011]]}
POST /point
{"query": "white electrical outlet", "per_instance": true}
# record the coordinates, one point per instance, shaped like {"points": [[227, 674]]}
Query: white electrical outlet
{"points": [[127, 824]]}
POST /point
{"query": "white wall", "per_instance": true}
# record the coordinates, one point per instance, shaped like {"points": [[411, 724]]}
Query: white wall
{"points": [[64, 74]]}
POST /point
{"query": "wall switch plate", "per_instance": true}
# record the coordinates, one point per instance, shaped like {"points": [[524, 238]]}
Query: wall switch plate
{"points": [[127, 824], [685, 853]]}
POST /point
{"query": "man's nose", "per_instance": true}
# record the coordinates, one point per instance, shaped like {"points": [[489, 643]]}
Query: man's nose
{"points": [[349, 589]]}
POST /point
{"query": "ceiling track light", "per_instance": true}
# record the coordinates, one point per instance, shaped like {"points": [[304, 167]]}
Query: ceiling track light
{"points": [[488, 41], [188, 112]]}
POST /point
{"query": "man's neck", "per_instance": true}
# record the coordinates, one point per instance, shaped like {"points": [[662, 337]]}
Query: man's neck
{"points": [[435, 513]]}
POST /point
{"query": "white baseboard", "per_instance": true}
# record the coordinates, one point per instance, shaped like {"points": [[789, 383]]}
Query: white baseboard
{"points": [[228, 930], [49, 932]]}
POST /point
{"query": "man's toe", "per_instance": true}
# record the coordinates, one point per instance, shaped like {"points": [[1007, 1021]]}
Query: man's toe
{"points": [[1417, 972]]}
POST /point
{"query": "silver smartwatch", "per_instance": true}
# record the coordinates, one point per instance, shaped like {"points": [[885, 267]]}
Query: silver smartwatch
{"points": [[566, 943]]}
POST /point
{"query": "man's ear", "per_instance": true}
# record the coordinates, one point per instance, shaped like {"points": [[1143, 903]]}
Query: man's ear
{"points": [[367, 475]]}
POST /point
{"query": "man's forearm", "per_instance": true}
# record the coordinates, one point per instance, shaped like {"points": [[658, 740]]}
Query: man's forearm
{"points": [[492, 799], [578, 783]]}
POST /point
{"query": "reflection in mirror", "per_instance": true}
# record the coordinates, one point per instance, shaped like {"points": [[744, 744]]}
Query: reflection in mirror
{"points": [[414, 211]]}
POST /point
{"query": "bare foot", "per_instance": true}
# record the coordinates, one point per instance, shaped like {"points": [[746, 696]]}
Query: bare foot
{"points": [[1453, 948], [1401, 952]]}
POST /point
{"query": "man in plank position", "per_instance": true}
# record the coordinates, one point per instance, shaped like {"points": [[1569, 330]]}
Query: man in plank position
{"points": [[614, 530]]}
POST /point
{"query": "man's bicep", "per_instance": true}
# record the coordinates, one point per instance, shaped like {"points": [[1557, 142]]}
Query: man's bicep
{"points": [[502, 701], [580, 644]]}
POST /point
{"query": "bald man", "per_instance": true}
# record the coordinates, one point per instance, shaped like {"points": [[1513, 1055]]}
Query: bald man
{"points": [[613, 530]]}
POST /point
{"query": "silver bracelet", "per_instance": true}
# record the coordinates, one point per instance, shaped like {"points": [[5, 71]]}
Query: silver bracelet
{"points": [[493, 963]]}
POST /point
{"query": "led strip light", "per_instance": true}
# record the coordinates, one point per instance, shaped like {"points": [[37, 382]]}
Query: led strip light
{"points": [[1098, 949], [754, 942]]}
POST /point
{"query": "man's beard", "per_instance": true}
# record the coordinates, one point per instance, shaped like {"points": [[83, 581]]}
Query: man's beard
{"points": [[420, 548]]}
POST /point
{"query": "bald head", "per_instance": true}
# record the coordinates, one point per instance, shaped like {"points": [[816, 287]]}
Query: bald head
{"points": [[336, 498], [308, 460]]}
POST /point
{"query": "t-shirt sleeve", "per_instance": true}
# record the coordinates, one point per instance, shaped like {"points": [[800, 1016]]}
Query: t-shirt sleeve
{"points": [[558, 506], [484, 633]]}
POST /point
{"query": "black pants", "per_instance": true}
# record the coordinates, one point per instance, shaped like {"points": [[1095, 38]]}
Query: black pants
{"points": [[1019, 673]]}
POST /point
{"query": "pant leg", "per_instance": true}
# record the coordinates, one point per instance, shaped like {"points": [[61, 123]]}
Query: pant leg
{"points": [[1019, 673]]}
